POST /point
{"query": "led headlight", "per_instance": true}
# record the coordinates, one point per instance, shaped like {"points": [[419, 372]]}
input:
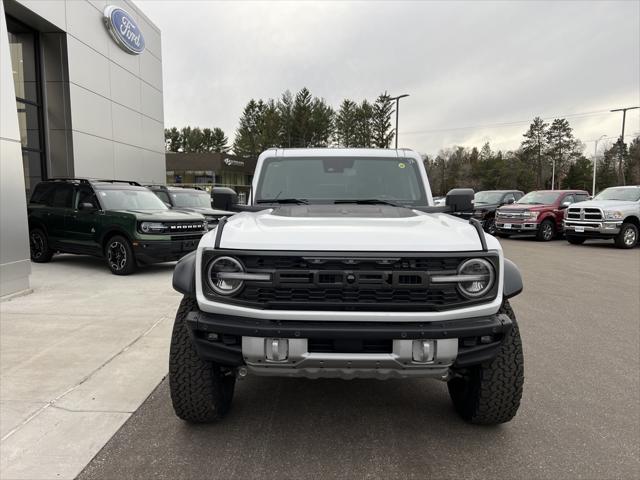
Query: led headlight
{"points": [[152, 227], [613, 215], [475, 277], [220, 275], [530, 214]]}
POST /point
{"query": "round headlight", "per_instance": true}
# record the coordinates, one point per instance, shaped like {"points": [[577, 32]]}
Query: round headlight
{"points": [[481, 277], [219, 281]]}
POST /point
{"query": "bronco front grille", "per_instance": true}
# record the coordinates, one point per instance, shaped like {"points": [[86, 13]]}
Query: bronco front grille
{"points": [[588, 214], [350, 282]]}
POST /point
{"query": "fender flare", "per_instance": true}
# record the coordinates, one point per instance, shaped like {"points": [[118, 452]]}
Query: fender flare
{"points": [[512, 279], [184, 275]]}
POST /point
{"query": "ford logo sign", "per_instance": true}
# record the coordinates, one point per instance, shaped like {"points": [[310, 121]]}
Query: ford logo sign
{"points": [[124, 30]]}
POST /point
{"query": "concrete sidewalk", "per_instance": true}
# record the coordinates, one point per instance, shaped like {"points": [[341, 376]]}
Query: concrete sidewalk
{"points": [[77, 357]]}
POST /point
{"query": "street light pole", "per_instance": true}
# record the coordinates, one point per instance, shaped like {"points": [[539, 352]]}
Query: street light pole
{"points": [[397, 99], [624, 117], [595, 165]]}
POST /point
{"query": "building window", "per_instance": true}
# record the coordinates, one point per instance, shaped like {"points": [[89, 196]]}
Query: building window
{"points": [[25, 62]]}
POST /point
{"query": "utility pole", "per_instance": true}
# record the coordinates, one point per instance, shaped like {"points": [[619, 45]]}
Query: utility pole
{"points": [[397, 99], [621, 149], [595, 165]]}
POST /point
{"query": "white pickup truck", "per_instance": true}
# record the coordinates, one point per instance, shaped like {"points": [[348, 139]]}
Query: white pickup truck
{"points": [[613, 214], [340, 266]]}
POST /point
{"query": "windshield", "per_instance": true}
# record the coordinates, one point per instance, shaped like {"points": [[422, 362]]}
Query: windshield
{"points": [[191, 199], [331, 179], [622, 194], [130, 200], [539, 198], [487, 197]]}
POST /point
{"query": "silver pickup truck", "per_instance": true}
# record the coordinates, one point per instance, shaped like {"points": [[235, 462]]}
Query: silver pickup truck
{"points": [[613, 214]]}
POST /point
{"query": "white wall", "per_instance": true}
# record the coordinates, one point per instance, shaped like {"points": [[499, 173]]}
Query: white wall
{"points": [[116, 104], [15, 266]]}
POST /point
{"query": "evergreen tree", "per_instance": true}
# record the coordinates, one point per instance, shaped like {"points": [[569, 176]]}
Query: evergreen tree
{"points": [[562, 147], [172, 140], [285, 111], [345, 131], [632, 172], [214, 140], [364, 125], [535, 146], [322, 123], [579, 175], [382, 133], [302, 123], [269, 126], [247, 141]]}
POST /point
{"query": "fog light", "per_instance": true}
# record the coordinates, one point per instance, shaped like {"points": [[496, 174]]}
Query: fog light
{"points": [[212, 337], [423, 350], [277, 349]]}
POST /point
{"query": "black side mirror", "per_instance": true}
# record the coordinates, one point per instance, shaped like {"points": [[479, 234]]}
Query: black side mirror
{"points": [[224, 198], [460, 200], [510, 201], [86, 206], [564, 205]]}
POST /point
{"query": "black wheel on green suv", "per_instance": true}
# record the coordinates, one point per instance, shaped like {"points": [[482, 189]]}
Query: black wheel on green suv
{"points": [[490, 393], [119, 254], [201, 391], [39, 246]]}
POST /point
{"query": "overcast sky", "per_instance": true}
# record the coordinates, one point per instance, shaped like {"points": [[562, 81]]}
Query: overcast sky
{"points": [[468, 66]]}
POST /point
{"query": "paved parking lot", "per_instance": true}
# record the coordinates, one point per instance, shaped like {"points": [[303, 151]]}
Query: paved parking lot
{"points": [[580, 415]]}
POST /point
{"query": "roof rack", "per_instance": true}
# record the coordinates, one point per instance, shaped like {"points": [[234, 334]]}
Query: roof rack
{"points": [[68, 179], [129, 182], [164, 187]]}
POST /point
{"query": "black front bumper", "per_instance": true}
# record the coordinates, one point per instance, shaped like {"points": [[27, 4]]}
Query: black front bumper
{"points": [[226, 348], [155, 251]]}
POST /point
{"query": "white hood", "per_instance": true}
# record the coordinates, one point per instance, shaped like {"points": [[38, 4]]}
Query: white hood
{"points": [[414, 232], [604, 204]]}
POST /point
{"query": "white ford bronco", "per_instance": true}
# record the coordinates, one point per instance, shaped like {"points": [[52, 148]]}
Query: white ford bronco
{"points": [[613, 214], [340, 266]]}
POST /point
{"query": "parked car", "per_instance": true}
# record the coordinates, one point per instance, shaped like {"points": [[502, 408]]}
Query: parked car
{"points": [[341, 267], [613, 214], [538, 213], [119, 220], [488, 201], [186, 199]]}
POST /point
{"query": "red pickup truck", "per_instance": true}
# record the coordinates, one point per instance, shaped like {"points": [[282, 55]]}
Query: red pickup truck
{"points": [[538, 213]]}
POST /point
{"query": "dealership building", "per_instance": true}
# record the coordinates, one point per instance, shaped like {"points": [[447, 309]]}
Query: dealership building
{"points": [[81, 96]]}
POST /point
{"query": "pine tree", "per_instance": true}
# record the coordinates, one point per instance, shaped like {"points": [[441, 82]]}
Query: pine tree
{"points": [[345, 131], [632, 173], [381, 122], [172, 140], [364, 125], [535, 145], [285, 111], [322, 123], [247, 141], [301, 112], [562, 147]]}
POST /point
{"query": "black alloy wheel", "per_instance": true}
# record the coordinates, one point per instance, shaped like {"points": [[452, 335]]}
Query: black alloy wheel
{"points": [[39, 246], [120, 256]]}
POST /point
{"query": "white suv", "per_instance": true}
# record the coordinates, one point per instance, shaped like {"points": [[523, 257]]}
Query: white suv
{"points": [[340, 266]]}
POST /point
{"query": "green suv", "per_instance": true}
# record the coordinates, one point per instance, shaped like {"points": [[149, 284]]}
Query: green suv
{"points": [[118, 220]]}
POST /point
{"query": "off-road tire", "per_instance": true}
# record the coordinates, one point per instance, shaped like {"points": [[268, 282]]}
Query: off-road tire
{"points": [[572, 239], [39, 246], [542, 234], [119, 245], [628, 236], [201, 391], [490, 393]]}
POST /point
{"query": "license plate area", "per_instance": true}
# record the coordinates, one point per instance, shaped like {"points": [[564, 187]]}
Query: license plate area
{"points": [[579, 229], [506, 225]]}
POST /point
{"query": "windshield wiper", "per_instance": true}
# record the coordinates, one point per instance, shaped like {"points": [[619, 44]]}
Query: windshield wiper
{"points": [[297, 201], [369, 201]]}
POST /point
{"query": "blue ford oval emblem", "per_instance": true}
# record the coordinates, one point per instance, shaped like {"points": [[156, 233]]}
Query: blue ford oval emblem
{"points": [[124, 30]]}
